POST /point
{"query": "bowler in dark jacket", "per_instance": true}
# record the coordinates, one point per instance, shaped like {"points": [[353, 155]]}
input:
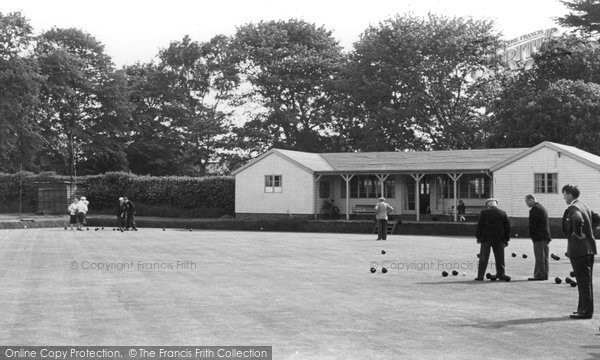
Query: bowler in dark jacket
{"points": [[493, 232], [578, 223], [539, 231]]}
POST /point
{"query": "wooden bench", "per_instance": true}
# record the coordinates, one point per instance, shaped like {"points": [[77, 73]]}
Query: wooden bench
{"points": [[471, 211], [363, 209]]}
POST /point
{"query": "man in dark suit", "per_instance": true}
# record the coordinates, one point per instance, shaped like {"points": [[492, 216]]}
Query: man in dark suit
{"points": [[493, 232], [581, 247], [539, 231]]}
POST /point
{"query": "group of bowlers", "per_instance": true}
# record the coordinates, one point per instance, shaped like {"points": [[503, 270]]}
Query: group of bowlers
{"points": [[493, 233], [77, 212], [126, 215], [578, 222]]}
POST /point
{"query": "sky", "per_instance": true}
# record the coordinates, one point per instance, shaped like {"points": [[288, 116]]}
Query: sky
{"points": [[134, 30]]}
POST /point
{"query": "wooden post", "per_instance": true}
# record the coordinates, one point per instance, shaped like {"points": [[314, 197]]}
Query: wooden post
{"points": [[382, 178], [347, 178], [417, 178], [317, 178], [455, 177]]}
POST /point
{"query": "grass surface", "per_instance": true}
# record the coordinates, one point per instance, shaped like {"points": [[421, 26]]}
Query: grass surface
{"points": [[309, 295]]}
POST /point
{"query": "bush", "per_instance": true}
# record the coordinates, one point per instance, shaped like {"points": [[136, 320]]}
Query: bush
{"points": [[153, 196]]}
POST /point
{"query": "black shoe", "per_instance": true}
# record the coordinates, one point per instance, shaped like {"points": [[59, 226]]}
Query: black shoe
{"points": [[478, 279], [581, 315], [535, 279]]}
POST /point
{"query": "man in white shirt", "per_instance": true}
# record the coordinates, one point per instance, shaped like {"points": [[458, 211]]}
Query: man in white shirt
{"points": [[82, 209], [381, 214]]}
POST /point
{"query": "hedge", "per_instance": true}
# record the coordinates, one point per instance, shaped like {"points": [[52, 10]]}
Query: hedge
{"points": [[154, 196]]}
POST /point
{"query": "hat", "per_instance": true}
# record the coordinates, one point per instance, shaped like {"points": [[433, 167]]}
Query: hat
{"points": [[382, 199], [121, 199], [490, 200], [83, 198]]}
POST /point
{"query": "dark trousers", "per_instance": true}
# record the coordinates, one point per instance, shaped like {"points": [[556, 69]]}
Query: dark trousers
{"points": [[583, 266], [130, 222], [484, 256], [540, 251], [382, 229]]}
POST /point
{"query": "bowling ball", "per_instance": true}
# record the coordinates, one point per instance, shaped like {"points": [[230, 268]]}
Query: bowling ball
{"points": [[383, 252], [383, 270], [488, 276], [557, 280], [524, 256], [572, 273], [373, 270], [454, 272], [444, 273], [514, 255]]}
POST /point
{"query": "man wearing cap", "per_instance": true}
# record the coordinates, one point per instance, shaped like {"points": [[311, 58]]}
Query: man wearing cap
{"points": [[381, 214], [493, 232]]}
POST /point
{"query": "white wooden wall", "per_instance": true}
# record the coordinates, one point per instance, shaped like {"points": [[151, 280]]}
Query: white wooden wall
{"points": [[297, 194], [516, 180]]}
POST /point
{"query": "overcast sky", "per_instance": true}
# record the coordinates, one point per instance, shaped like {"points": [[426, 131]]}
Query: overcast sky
{"points": [[135, 30]]}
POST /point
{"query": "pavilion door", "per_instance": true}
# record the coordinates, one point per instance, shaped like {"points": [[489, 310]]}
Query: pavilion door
{"points": [[424, 194]]}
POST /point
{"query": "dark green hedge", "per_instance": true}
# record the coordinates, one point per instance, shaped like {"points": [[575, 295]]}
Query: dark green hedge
{"points": [[153, 196]]}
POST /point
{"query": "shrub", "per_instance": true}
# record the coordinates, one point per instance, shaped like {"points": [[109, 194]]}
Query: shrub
{"points": [[153, 196]]}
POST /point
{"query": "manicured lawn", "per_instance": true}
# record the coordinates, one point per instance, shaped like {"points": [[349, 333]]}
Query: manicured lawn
{"points": [[309, 295]]}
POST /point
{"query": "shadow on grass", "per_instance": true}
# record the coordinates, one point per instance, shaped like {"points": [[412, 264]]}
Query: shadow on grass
{"points": [[528, 321], [469, 282], [592, 347]]}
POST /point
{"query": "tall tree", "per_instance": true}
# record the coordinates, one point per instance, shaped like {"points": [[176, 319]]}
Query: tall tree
{"points": [[584, 16], [290, 65], [85, 103], [566, 112], [556, 99], [181, 106], [416, 83], [20, 138]]}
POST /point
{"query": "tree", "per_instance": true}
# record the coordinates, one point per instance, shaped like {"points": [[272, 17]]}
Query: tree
{"points": [[566, 112], [418, 83], [85, 107], [291, 66], [554, 100], [20, 138], [181, 112], [584, 16], [567, 57]]}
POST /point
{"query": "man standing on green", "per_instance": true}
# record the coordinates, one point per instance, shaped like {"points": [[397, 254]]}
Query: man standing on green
{"points": [[539, 232], [381, 214]]}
